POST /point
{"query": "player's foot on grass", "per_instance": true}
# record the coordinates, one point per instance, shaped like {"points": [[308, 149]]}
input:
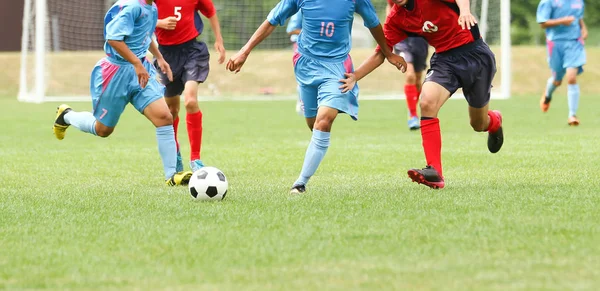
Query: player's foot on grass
{"points": [[196, 165], [573, 121], [60, 126], [298, 189], [413, 123], [179, 179], [179, 166], [427, 176], [545, 103], [496, 139]]}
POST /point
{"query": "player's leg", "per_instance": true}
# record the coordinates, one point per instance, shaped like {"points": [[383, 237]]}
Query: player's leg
{"points": [[555, 62], [196, 71], [174, 102], [575, 58], [299, 104], [150, 102], [411, 90]]}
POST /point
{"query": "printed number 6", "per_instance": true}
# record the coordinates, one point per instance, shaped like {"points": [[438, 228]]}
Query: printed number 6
{"points": [[178, 12], [327, 29]]}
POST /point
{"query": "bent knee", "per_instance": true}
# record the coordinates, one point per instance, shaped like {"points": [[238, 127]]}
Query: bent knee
{"points": [[478, 125], [324, 123], [572, 80], [104, 131]]}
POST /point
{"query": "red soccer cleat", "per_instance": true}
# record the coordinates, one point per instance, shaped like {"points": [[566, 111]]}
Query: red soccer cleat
{"points": [[427, 176]]}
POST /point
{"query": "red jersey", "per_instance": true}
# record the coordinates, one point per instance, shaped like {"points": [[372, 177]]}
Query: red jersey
{"points": [[189, 23], [434, 20]]}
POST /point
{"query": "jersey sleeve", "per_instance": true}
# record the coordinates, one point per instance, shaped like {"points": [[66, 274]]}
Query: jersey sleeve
{"points": [[295, 22], [207, 8], [365, 9], [122, 24], [393, 33], [282, 11], [544, 11]]}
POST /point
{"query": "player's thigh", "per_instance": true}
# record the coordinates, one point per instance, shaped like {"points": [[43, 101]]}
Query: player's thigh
{"points": [[108, 88], [308, 98], [477, 70], [150, 102], [433, 96], [330, 94], [197, 63], [556, 60], [440, 83], [478, 117], [307, 74]]}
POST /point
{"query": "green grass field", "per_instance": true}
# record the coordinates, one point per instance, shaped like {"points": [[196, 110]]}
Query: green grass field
{"points": [[91, 213]]}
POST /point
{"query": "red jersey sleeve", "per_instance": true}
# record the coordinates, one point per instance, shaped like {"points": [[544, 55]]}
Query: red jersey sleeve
{"points": [[393, 34], [207, 8]]}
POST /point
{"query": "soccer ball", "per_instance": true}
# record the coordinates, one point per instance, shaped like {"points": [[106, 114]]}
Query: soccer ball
{"points": [[208, 183]]}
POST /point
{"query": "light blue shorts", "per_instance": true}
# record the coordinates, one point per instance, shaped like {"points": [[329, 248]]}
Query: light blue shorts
{"points": [[564, 54], [319, 83], [114, 84]]}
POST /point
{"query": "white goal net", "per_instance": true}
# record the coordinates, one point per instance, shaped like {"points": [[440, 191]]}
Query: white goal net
{"points": [[63, 39]]}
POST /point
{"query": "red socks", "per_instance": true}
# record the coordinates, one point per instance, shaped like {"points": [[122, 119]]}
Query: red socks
{"points": [[194, 128], [494, 122], [175, 126], [412, 98], [432, 142]]}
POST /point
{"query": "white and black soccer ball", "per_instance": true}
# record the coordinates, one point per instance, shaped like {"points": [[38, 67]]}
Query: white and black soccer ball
{"points": [[208, 183]]}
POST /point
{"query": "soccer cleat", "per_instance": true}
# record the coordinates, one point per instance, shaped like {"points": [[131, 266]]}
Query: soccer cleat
{"points": [[179, 179], [60, 125], [427, 176], [413, 123], [573, 121], [496, 139], [545, 103], [179, 166], [298, 189], [196, 165]]}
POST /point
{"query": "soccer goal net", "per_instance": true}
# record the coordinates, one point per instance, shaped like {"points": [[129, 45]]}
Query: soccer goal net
{"points": [[63, 39]]}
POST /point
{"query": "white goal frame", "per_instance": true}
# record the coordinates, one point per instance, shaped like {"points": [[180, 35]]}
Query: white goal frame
{"points": [[37, 92]]}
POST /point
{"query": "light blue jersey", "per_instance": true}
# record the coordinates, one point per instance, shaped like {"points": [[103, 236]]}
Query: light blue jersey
{"points": [[326, 25], [554, 9], [131, 21], [295, 23]]}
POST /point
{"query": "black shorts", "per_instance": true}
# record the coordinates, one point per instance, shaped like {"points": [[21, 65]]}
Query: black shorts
{"points": [[189, 61], [471, 67], [414, 50]]}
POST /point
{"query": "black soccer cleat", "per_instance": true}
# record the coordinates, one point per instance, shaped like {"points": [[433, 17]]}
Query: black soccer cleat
{"points": [[427, 176], [496, 139], [298, 189]]}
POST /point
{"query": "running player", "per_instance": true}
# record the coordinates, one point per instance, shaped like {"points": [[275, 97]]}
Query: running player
{"points": [[414, 50], [177, 30], [322, 60], [125, 76], [294, 28], [461, 59], [565, 34]]}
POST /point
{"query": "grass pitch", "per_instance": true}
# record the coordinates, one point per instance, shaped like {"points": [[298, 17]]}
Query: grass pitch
{"points": [[94, 213]]}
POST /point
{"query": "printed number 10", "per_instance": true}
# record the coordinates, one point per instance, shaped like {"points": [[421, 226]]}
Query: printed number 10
{"points": [[327, 29]]}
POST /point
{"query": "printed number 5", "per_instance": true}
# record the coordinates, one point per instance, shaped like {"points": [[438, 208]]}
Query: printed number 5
{"points": [[178, 12], [327, 29]]}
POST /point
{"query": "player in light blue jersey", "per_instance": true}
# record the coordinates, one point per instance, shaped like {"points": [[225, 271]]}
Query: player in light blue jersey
{"points": [[294, 28], [125, 76], [321, 62], [565, 35]]}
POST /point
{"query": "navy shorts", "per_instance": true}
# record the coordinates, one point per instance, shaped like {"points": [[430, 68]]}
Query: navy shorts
{"points": [[189, 61], [471, 67], [414, 50]]}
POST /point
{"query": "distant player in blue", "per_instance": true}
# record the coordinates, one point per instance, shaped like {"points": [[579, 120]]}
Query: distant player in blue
{"points": [[294, 28], [125, 76], [321, 62], [565, 35]]}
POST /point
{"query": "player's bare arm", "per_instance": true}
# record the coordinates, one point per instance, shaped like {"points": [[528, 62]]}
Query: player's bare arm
{"points": [[237, 61], [466, 19], [567, 20], [584, 30], [216, 28], [368, 66], [169, 23], [394, 59], [162, 64], [129, 56]]}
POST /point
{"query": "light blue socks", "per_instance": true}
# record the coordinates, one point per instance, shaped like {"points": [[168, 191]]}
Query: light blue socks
{"points": [[550, 87], [165, 136], [573, 95], [314, 155], [84, 121]]}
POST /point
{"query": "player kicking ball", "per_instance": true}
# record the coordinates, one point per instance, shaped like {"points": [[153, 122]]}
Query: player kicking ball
{"points": [[461, 59], [177, 30], [414, 50], [565, 34], [320, 63], [125, 76]]}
